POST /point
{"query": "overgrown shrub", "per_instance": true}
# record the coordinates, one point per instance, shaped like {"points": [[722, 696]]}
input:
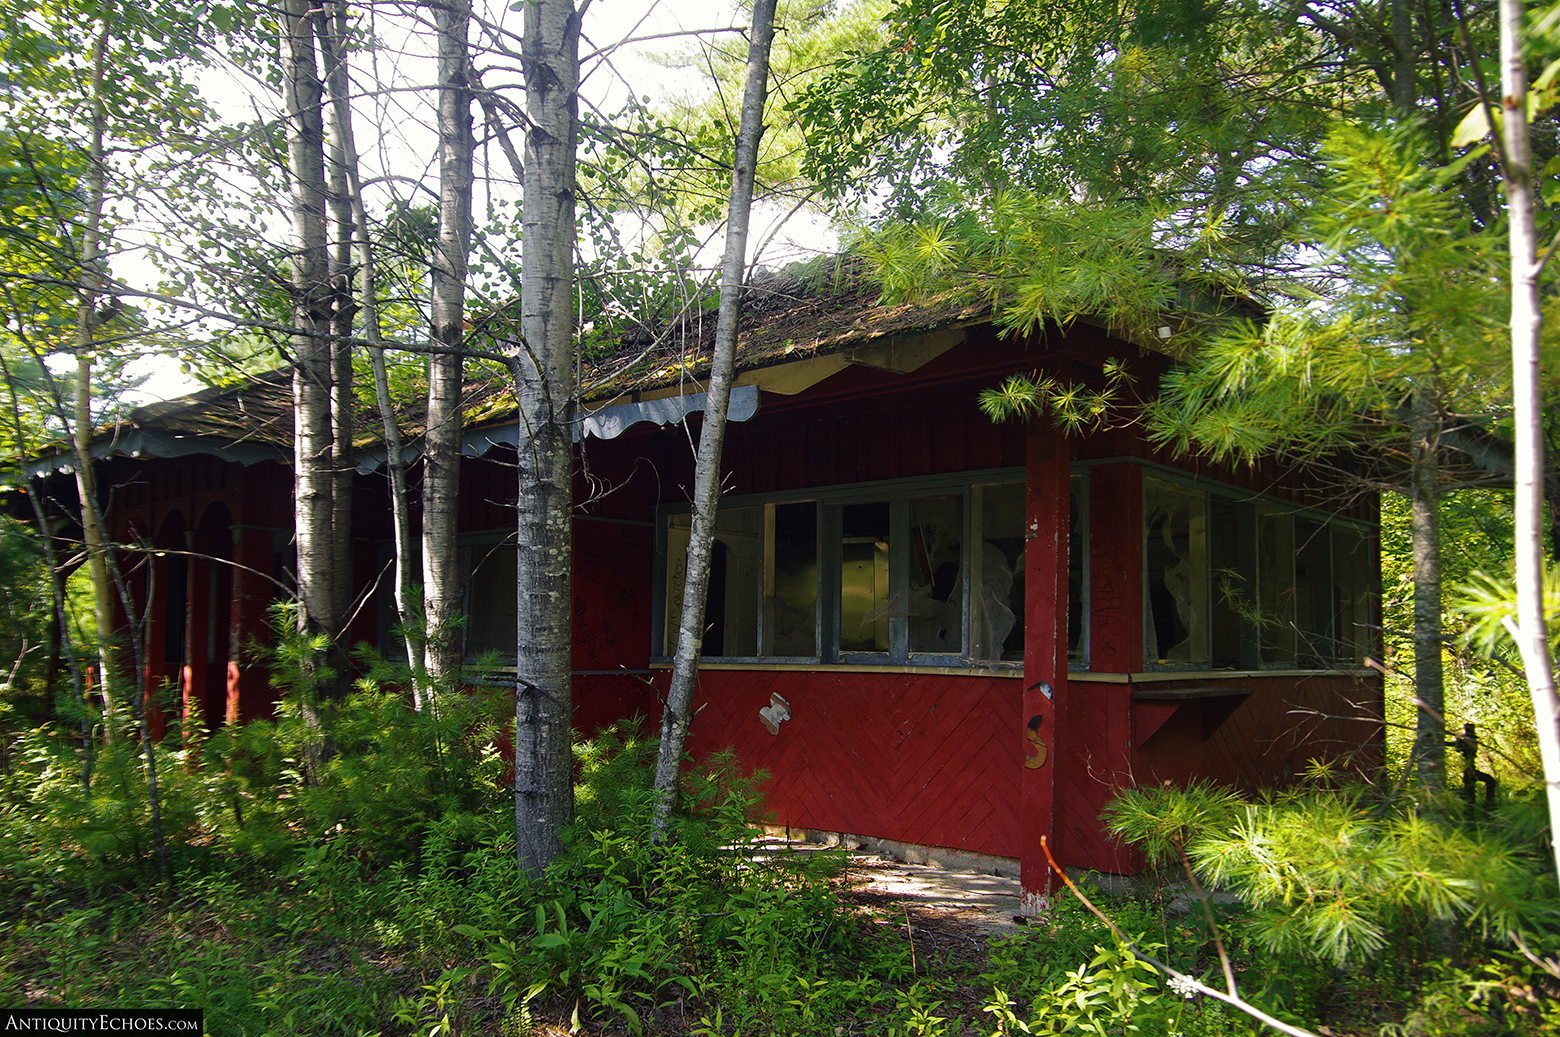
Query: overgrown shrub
{"points": [[1349, 895]]}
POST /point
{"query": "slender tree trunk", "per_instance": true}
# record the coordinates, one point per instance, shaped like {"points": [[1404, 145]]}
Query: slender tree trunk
{"points": [[105, 573], [313, 443], [95, 541], [333, 55], [712, 435], [442, 585], [67, 647], [1532, 633], [406, 597], [1429, 750], [544, 378]]}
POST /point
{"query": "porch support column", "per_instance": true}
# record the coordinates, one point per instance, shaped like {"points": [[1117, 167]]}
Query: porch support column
{"points": [[1048, 456], [249, 694], [197, 617], [1116, 568]]}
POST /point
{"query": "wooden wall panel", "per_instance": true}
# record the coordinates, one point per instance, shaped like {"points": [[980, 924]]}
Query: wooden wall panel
{"points": [[604, 699], [1098, 765], [1116, 568], [925, 759], [611, 595], [1269, 740]]}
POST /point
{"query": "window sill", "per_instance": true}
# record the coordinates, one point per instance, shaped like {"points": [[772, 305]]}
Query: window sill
{"points": [[1203, 675], [1013, 670]]}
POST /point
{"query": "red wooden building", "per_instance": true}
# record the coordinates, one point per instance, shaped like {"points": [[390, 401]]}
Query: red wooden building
{"points": [[924, 626]]}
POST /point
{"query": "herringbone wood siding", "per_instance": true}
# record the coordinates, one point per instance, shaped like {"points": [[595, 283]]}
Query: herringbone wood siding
{"points": [[926, 759]]}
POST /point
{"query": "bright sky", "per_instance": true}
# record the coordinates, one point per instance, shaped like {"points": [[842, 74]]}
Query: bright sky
{"points": [[397, 142]]}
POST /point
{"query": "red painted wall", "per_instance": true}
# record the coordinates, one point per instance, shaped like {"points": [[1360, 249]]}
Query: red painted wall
{"points": [[1267, 741], [922, 758], [1286, 723], [611, 623]]}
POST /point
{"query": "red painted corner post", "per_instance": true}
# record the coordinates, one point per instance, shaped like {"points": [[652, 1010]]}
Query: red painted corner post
{"points": [[1048, 457], [1116, 568]]}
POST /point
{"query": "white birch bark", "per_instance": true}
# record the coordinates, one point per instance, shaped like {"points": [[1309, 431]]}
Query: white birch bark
{"points": [[313, 444], [442, 585], [1429, 750], [706, 492], [1531, 631], [105, 573], [86, 331], [544, 379], [406, 598], [343, 308]]}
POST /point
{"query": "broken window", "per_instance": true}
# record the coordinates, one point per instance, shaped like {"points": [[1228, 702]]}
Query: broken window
{"points": [[1353, 589], [1176, 562], [1233, 582], [997, 607], [1276, 585], [903, 581], [865, 610], [490, 600], [936, 587], [791, 580], [734, 599]]}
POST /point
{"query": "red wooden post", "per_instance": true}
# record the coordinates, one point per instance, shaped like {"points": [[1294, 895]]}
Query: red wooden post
{"points": [[249, 695], [1049, 454], [197, 605], [1116, 568]]}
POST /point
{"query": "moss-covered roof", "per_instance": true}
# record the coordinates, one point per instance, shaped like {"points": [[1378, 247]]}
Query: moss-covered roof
{"points": [[787, 316]]}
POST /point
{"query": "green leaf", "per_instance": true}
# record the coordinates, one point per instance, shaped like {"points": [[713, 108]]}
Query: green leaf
{"points": [[1475, 126]]}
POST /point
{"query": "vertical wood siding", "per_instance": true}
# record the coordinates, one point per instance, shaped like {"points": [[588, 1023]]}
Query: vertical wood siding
{"points": [[611, 623]]}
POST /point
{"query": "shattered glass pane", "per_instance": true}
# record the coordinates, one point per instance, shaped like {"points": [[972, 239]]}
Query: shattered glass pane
{"points": [[997, 602], [791, 609], [1175, 520], [1276, 585], [864, 607], [736, 579], [736, 584], [935, 606]]}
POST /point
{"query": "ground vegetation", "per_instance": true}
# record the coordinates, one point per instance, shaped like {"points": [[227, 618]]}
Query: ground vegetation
{"points": [[385, 897]]}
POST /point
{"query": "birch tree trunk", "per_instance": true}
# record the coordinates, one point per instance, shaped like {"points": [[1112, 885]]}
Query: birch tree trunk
{"points": [[712, 435], [442, 583], [313, 444], [78, 684], [343, 309], [105, 573], [1429, 751], [544, 379], [86, 333], [1531, 631], [406, 598]]}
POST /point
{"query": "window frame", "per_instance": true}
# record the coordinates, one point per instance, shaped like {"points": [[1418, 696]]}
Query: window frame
{"points": [[1250, 508], [474, 550], [830, 502]]}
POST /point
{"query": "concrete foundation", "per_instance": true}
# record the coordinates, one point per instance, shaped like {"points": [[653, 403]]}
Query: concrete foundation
{"points": [[908, 853]]}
